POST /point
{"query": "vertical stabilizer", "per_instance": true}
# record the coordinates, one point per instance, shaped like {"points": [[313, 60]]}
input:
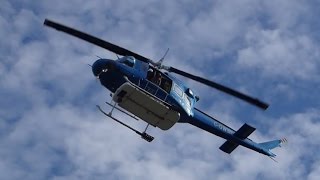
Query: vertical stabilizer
{"points": [[272, 144]]}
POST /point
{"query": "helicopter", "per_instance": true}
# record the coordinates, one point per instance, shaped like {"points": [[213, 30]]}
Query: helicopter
{"points": [[147, 90]]}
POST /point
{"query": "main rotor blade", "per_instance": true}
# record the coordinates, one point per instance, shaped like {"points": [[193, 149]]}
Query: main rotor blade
{"points": [[251, 100], [94, 40]]}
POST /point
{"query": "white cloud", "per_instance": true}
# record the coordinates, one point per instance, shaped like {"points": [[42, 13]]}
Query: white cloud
{"points": [[279, 54]]}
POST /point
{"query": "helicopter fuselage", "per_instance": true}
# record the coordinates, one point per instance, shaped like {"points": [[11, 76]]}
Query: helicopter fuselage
{"points": [[114, 73], [150, 87]]}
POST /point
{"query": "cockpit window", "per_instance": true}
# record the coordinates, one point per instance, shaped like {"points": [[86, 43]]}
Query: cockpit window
{"points": [[128, 60]]}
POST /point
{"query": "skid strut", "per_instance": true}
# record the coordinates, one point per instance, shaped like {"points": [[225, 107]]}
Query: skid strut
{"points": [[114, 107], [143, 134]]}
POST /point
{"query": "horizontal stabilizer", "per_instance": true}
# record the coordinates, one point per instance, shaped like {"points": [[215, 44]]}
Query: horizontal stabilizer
{"points": [[242, 134], [244, 131], [228, 146]]}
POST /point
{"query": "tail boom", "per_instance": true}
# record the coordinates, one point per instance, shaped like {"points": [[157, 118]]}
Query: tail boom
{"points": [[234, 138]]}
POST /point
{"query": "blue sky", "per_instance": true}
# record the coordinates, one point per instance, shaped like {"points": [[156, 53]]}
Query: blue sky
{"points": [[50, 128]]}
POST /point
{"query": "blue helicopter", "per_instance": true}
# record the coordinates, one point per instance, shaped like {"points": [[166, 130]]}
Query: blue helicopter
{"points": [[144, 89]]}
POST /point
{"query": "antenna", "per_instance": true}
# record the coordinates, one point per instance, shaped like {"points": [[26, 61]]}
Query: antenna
{"points": [[273, 159], [159, 63], [165, 54], [117, 56]]}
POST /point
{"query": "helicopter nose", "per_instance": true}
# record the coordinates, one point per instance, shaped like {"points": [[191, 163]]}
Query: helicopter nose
{"points": [[101, 65]]}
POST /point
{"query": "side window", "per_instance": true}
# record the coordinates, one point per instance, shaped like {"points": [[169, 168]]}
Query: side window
{"points": [[178, 90], [187, 99], [129, 61]]}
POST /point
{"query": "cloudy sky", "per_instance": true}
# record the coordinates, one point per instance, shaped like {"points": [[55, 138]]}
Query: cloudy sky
{"points": [[51, 129]]}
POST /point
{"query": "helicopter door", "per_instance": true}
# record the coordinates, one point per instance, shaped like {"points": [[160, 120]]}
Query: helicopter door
{"points": [[145, 106]]}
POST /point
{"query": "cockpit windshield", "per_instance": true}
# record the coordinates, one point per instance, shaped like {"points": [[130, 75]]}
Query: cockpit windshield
{"points": [[128, 60]]}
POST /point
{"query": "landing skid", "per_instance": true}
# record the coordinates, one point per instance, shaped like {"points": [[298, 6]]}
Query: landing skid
{"points": [[144, 135], [122, 111]]}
